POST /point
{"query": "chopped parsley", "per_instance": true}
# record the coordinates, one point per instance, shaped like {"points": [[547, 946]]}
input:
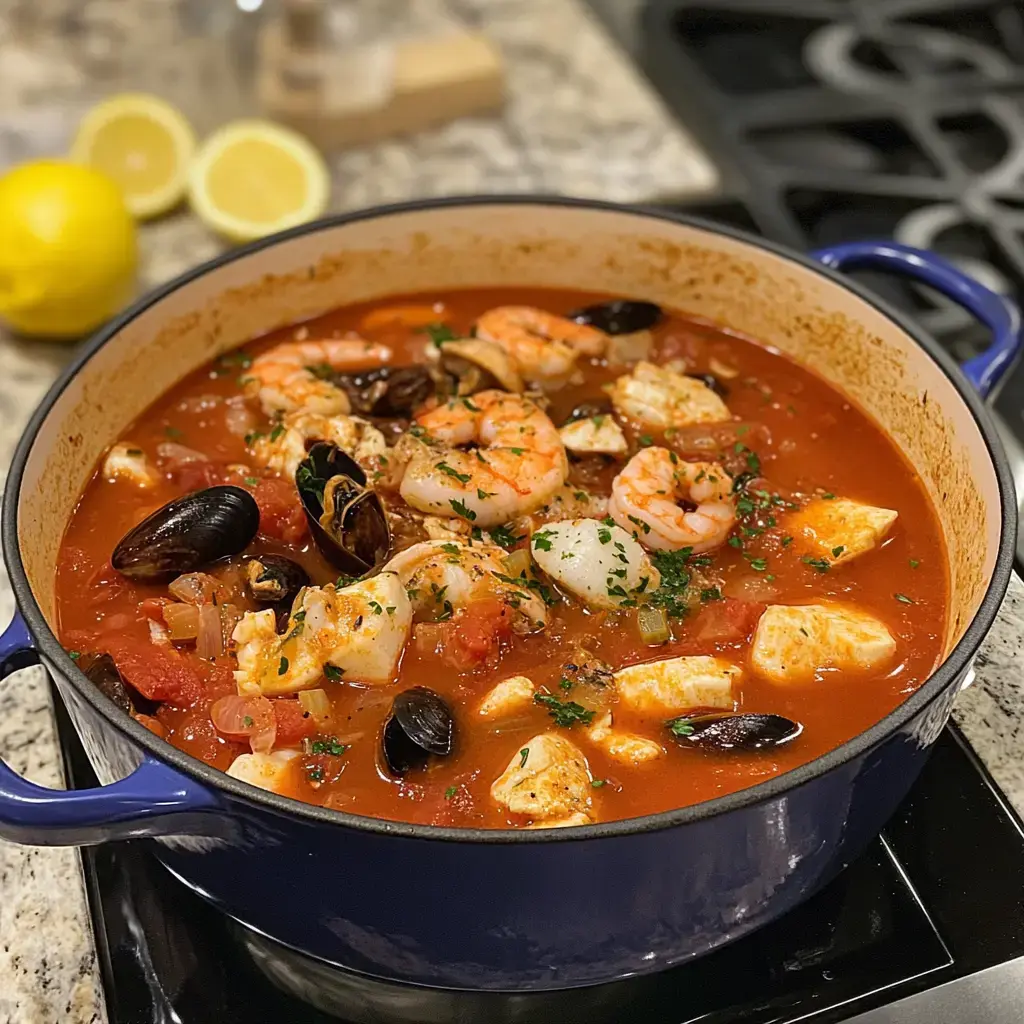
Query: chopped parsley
{"points": [[74, 655], [675, 579], [836, 552], [328, 746], [315, 774], [504, 536], [277, 431], [682, 726], [542, 540], [450, 549], [484, 495], [786, 541], [735, 542], [645, 440], [247, 721], [820, 564], [604, 535], [565, 713], [463, 478], [333, 673], [711, 594], [828, 496], [283, 666], [376, 607], [450, 792], [439, 333], [903, 599], [759, 564], [914, 563], [523, 755], [173, 433], [252, 481], [598, 783], [461, 509]]}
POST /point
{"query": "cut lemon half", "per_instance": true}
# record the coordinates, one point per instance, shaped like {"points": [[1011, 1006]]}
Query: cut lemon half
{"points": [[144, 144], [252, 178]]}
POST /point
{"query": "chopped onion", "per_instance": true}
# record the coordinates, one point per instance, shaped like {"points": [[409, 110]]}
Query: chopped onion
{"points": [[193, 588], [178, 453], [654, 627], [209, 641], [182, 620], [230, 616], [428, 637], [246, 718], [157, 633], [316, 704], [517, 563], [239, 419]]}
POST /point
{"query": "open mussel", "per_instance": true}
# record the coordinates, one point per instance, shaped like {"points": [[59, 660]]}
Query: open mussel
{"points": [[274, 579], [725, 731], [346, 518], [387, 390], [620, 316], [188, 534], [467, 365], [420, 726]]}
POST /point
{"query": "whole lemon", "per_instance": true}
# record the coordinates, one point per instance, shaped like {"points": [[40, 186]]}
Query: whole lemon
{"points": [[68, 249]]}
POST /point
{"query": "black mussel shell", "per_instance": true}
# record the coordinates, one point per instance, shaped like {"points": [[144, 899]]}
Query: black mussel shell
{"points": [[620, 316], [724, 731], [420, 725], [274, 579], [348, 521], [588, 410], [188, 534], [387, 390], [103, 674], [711, 381]]}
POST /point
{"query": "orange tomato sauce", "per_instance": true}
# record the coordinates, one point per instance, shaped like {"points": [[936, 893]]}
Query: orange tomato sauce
{"points": [[807, 437]]}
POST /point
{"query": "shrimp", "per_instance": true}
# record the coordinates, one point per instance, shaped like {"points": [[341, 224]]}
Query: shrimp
{"points": [[545, 346], [285, 447], [443, 576], [645, 495], [285, 377], [519, 465]]}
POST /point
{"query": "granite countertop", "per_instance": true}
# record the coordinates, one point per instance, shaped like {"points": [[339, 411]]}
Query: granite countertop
{"points": [[579, 121]]}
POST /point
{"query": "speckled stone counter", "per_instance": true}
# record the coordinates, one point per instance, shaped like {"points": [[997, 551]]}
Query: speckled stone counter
{"points": [[579, 121]]}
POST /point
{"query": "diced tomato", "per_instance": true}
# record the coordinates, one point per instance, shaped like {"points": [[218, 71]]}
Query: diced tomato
{"points": [[153, 608], [476, 633], [293, 724], [159, 673], [197, 474], [281, 514], [728, 620]]}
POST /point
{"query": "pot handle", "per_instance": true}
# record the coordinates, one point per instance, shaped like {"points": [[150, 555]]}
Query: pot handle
{"points": [[155, 800], [997, 313]]}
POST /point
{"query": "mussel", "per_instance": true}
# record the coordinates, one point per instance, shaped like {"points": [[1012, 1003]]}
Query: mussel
{"points": [[347, 519], [468, 365], [620, 316], [420, 726], [726, 731], [102, 672], [188, 534], [274, 579], [588, 410], [387, 390]]}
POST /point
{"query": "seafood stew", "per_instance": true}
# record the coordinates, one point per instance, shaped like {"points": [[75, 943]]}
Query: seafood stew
{"points": [[504, 558]]}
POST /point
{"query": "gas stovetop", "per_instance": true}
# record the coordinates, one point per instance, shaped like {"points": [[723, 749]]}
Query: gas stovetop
{"points": [[837, 120]]}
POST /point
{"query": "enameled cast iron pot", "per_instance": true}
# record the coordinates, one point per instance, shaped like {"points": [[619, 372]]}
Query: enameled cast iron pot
{"points": [[502, 910]]}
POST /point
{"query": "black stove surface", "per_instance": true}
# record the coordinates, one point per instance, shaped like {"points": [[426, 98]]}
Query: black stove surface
{"points": [[938, 898]]}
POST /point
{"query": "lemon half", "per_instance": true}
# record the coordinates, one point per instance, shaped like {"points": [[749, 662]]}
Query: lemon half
{"points": [[142, 143], [252, 178]]}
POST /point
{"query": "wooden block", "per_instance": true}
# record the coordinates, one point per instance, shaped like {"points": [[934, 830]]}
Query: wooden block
{"points": [[361, 96]]}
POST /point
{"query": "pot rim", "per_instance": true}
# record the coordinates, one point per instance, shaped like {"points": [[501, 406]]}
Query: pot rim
{"points": [[944, 676]]}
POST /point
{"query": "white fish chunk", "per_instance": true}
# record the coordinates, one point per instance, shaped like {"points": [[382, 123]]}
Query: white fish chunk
{"points": [[596, 434], [601, 564], [662, 398], [360, 630], [838, 529], [579, 818], [626, 747], [509, 696], [548, 779], [678, 684], [267, 771], [791, 643], [127, 462]]}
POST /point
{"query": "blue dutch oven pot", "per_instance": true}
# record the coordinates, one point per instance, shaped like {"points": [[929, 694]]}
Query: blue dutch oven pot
{"points": [[502, 910]]}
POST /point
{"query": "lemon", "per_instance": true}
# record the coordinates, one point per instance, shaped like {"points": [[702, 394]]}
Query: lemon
{"points": [[142, 143], [252, 178], [67, 249]]}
